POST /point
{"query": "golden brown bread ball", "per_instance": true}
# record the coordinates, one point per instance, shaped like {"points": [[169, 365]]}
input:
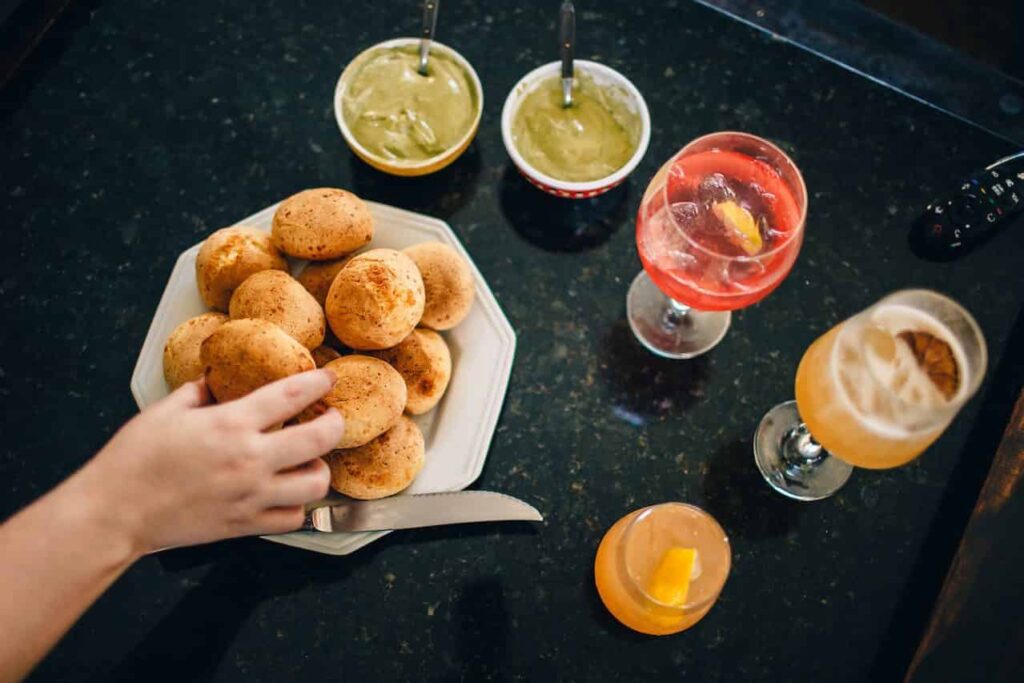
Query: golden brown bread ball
{"points": [[322, 224], [382, 467], [322, 355], [447, 281], [243, 355], [317, 278], [275, 296], [424, 362], [181, 352], [370, 395], [228, 257], [376, 300]]}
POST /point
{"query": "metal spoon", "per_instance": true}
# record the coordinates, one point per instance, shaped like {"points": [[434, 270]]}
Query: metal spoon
{"points": [[566, 45], [430, 8]]}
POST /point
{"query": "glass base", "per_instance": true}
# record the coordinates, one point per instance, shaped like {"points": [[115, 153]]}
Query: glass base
{"points": [[791, 461], [667, 327]]}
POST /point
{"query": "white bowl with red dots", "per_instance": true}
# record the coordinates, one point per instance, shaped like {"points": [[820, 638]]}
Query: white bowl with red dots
{"points": [[602, 75]]}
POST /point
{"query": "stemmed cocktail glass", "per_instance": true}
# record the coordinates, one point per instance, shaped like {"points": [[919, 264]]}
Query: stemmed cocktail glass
{"points": [[874, 391], [718, 229]]}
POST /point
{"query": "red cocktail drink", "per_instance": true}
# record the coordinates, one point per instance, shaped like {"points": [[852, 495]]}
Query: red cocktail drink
{"points": [[718, 229]]}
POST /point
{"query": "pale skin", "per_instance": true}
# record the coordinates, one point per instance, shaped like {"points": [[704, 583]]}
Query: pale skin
{"points": [[182, 472]]}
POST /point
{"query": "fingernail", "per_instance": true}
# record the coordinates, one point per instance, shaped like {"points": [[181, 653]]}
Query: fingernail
{"points": [[329, 374]]}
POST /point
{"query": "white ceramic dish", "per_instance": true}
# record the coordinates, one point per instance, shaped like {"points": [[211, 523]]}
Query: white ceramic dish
{"points": [[602, 75], [458, 431]]}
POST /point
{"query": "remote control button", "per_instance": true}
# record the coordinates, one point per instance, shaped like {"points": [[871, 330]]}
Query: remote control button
{"points": [[1011, 199]]}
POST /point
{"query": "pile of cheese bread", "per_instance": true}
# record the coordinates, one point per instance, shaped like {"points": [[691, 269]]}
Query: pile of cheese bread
{"points": [[371, 316]]}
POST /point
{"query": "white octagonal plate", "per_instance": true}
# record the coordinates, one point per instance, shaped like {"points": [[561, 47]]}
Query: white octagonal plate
{"points": [[457, 432]]}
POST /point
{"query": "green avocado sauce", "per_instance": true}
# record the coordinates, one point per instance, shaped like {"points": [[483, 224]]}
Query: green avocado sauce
{"points": [[397, 114], [592, 139]]}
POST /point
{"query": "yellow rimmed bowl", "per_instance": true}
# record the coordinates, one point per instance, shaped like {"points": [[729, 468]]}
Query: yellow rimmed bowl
{"points": [[403, 167]]}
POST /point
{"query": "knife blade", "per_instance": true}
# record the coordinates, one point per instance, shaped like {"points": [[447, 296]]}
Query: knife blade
{"points": [[420, 510]]}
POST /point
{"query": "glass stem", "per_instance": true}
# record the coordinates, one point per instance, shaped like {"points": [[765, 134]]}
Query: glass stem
{"points": [[800, 451], [675, 314]]}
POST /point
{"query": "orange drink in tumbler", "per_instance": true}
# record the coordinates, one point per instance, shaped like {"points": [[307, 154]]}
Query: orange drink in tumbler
{"points": [[660, 569]]}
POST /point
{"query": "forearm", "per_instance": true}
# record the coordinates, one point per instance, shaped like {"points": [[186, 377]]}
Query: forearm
{"points": [[57, 556]]}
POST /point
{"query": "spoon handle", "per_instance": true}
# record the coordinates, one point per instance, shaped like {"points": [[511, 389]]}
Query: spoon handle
{"points": [[567, 46], [430, 8]]}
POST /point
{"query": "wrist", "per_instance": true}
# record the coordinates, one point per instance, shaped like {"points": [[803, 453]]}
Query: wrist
{"points": [[91, 505]]}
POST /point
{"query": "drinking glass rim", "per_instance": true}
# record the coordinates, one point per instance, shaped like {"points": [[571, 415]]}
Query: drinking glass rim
{"points": [[635, 585], [796, 232], [950, 407]]}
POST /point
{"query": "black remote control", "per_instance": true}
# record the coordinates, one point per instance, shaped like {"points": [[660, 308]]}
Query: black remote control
{"points": [[985, 202]]}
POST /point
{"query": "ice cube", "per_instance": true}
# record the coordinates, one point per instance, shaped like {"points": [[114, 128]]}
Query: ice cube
{"points": [[764, 195], [715, 188], [747, 274], [686, 215], [851, 386], [770, 236], [665, 242], [680, 263]]}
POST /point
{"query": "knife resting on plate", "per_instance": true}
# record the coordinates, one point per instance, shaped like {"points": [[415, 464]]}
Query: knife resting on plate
{"points": [[419, 510]]}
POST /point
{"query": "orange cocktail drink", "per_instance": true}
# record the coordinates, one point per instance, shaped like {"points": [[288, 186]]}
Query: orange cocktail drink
{"points": [[874, 391], [661, 568]]}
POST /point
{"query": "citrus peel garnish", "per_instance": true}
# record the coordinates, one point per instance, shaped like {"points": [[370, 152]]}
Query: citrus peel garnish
{"points": [[936, 358], [740, 224], [670, 582]]}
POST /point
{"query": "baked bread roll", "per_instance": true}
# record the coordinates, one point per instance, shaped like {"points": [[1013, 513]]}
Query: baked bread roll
{"points": [[317, 277], [376, 300], [370, 395], [383, 467], [322, 355], [322, 224], [447, 283], [228, 257], [424, 362], [275, 296], [181, 352], [243, 355]]}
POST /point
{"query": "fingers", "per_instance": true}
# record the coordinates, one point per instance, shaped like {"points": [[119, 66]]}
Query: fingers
{"points": [[188, 395], [280, 400], [298, 487], [301, 443], [279, 520]]}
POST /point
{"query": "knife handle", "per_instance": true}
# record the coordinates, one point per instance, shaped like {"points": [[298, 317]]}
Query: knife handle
{"points": [[567, 36], [430, 9]]}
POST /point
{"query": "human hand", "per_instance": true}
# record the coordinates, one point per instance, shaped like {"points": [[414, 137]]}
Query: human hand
{"points": [[184, 472]]}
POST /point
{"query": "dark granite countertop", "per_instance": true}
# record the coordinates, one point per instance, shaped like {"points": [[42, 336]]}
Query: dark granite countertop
{"points": [[142, 126]]}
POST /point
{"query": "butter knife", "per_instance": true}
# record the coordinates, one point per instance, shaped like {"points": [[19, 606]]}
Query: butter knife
{"points": [[423, 510]]}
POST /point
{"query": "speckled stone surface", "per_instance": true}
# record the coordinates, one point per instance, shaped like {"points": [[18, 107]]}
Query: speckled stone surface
{"points": [[143, 126]]}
